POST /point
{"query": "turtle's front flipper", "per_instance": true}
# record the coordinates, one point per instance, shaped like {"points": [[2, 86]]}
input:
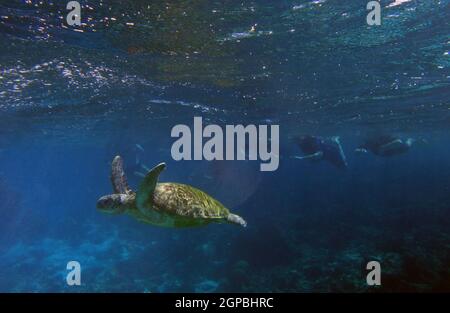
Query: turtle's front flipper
{"points": [[144, 195], [118, 178]]}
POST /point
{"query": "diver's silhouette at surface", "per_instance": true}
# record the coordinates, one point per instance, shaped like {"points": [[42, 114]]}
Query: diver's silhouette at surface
{"points": [[316, 148], [386, 145]]}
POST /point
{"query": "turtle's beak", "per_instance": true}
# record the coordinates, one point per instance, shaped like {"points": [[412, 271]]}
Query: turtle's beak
{"points": [[107, 204], [111, 204], [103, 203]]}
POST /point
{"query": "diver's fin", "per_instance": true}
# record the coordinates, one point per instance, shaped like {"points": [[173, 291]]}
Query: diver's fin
{"points": [[144, 195], [343, 159], [315, 156], [142, 175], [118, 178], [336, 139], [410, 141], [139, 147], [395, 144], [361, 150], [421, 141], [144, 167]]}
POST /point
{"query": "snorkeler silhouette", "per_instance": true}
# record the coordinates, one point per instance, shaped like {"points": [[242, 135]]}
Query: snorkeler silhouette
{"points": [[317, 148], [387, 145], [137, 167]]}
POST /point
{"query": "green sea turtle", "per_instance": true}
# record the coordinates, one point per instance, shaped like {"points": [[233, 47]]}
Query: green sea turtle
{"points": [[163, 204]]}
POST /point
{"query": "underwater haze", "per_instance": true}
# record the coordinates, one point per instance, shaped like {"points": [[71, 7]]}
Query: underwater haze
{"points": [[73, 97]]}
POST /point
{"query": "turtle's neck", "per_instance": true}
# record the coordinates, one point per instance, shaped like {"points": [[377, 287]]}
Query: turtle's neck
{"points": [[129, 202]]}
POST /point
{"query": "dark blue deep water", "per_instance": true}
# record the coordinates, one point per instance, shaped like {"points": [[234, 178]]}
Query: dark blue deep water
{"points": [[71, 98]]}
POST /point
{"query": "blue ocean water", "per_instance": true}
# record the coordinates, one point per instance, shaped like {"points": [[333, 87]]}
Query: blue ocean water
{"points": [[71, 98]]}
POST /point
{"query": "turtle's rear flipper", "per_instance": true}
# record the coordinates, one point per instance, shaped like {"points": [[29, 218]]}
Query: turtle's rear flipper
{"points": [[118, 179], [144, 195]]}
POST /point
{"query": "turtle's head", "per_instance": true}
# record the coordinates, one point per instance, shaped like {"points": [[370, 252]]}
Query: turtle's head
{"points": [[236, 219], [112, 204]]}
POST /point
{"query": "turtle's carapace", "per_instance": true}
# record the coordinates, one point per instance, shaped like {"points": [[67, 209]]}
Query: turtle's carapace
{"points": [[163, 204]]}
